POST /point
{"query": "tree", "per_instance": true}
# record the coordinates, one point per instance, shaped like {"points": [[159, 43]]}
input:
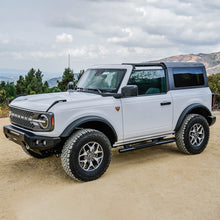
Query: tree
{"points": [[46, 87], [20, 86], [2, 85], [54, 89], [31, 84], [3, 96], [214, 83], [30, 81], [29, 77], [39, 84], [68, 76], [7, 92], [10, 91]]}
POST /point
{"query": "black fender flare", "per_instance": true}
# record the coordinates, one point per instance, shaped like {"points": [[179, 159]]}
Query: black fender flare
{"points": [[72, 126], [194, 108]]}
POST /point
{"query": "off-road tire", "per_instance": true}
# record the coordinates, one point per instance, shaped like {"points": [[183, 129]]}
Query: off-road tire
{"points": [[71, 151], [183, 134], [35, 155]]}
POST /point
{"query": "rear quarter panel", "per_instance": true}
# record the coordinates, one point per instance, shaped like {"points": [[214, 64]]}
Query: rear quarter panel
{"points": [[182, 98]]}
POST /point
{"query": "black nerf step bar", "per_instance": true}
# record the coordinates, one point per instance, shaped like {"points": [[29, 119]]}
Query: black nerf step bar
{"points": [[154, 142]]}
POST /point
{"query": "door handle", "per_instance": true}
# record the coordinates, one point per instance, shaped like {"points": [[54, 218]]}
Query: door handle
{"points": [[165, 103]]}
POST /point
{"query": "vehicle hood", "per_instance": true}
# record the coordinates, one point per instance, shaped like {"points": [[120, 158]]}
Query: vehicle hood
{"points": [[43, 102]]}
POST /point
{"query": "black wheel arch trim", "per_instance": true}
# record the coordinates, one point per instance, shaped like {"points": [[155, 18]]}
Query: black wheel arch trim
{"points": [[189, 109], [71, 127]]}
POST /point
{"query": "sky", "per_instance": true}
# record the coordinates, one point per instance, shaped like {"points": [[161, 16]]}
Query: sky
{"points": [[41, 34]]}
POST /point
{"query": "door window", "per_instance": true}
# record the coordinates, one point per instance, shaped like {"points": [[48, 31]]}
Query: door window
{"points": [[148, 81]]}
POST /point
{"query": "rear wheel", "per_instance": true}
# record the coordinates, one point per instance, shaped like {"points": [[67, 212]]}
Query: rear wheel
{"points": [[86, 155], [193, 135]]}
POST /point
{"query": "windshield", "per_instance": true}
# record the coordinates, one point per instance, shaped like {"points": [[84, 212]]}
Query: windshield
{"points": [[105, 80]]}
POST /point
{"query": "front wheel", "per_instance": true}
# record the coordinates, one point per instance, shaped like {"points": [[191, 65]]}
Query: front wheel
{"points": [[86, 155], [193, 135]]}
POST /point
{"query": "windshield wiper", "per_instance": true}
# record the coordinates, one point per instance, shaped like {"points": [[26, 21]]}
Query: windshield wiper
{"points": [[93, 89], [108, 90], [79, 88], [100, 91]]}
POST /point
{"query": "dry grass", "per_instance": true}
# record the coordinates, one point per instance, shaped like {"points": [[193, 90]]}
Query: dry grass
{"points": [[4, 111]]}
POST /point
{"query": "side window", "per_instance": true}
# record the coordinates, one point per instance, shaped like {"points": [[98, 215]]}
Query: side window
{"points": [[187, 77], [148, 81]]}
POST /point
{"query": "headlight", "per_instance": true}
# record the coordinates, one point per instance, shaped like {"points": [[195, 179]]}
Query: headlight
{"points": [[43, 121]]}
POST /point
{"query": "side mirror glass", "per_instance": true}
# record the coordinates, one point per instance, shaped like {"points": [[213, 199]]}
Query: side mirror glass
{"points": [[129, 91]]}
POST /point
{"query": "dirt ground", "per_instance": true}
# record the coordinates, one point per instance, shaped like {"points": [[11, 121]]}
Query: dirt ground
{"points": [[152, 183]]}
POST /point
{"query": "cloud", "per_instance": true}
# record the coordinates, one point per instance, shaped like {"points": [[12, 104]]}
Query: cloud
{"points": [[87, 52], [125, 31], [175, 21], [78, 52], [17, 56], [4, 39], [69, 21], [64, 38], [107, 30]]}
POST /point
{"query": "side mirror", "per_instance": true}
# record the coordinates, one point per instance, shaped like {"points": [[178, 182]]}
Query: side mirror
{"points": [[128, 91], [70, 86]]}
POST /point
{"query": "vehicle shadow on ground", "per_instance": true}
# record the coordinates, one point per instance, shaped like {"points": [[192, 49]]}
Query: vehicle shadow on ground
{"points": [[49, 170]]}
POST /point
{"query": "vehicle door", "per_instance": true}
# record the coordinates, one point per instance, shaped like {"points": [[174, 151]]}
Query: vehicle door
{"points": [[149, 113]]}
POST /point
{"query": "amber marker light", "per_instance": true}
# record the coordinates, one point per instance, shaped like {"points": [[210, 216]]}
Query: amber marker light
{"points": [[52, 121], [117, 108]]}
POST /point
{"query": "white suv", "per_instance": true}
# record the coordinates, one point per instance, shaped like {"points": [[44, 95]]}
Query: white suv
{"points": [[130, 106]]}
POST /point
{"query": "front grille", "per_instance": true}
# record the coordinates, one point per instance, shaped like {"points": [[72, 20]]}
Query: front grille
{"points": [[21, 117]]}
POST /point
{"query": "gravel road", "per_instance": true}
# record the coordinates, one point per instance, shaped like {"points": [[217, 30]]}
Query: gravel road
{"points": [[153, 183]]}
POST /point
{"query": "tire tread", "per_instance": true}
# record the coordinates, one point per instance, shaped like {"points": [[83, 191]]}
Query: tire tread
{"points": [[69, 145], [180, 139]]}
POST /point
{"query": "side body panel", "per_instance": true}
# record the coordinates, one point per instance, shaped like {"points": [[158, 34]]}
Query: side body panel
{"points": [[145, 116], [186, 97]]}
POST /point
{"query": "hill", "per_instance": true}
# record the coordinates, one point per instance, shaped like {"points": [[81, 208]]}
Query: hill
{"points": [[53, 82], [211, 60], [8, 79]]}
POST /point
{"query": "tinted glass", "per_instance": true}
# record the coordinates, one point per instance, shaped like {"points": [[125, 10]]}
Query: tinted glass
{"points": [[186, 77], [148, 81]]}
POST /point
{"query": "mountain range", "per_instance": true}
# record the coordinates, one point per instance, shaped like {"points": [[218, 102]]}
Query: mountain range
{"points": [[211, 60], [53, 82]]}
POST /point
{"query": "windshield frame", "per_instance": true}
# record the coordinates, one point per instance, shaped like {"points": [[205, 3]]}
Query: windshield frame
{"points": [[110, 91]]}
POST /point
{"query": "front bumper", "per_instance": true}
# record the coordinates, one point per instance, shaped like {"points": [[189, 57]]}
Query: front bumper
{"points": [[29, 139]]}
